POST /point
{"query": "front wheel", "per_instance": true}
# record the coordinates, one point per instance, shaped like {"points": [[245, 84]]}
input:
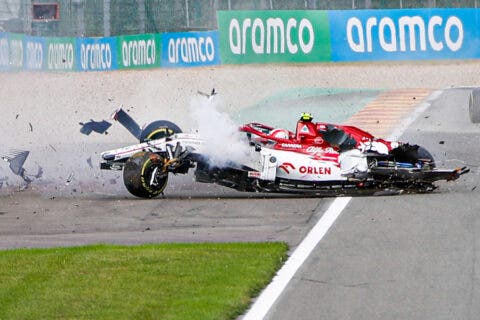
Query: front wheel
{"points": [[159, 129], [143, 175]]}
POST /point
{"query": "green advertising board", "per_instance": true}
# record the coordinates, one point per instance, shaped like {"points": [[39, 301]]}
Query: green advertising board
{"points": [[60, 54], [139, 51], [273, 36]]}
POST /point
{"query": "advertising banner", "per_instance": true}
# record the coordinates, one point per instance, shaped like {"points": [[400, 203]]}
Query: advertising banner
{"points": [[16, 51], [34, 53], [4, 51], [410, 34], [190, 49], [138, 51], [273, 36], [60, 54], [96, 54]]}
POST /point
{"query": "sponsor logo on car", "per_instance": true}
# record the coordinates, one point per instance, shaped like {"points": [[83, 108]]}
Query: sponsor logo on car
{"points": [[254, 174], [315, 150], [287, 166], [291, 145], [315, 170]]}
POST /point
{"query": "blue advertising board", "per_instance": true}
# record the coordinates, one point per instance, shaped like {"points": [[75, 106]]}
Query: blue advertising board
{"points": [[411, 34], [35, 53], [190, 49], [96, 54], [12, 50]]}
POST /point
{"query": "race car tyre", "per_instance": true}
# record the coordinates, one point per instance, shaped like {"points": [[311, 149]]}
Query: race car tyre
{"points": [[474, 105], [159, 129], [143, 175], [426, 155], [413, 154]]}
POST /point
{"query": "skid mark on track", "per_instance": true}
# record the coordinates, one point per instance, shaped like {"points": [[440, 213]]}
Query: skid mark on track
{"points": [[387, 110]]}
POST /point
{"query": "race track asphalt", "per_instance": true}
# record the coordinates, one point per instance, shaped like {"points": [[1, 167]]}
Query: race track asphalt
{"points": [[407, 256]]}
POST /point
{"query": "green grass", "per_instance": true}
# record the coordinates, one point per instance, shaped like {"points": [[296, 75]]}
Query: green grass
{"points": [[165, 281]]}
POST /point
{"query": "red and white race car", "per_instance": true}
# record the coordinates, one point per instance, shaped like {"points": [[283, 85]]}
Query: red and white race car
{"points": [[318, 158]]}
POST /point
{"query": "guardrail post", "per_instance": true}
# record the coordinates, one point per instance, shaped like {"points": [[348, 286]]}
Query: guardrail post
{"points": [[141, 15], [80, 23], [106, 18], [187, 16], [26, 13]]}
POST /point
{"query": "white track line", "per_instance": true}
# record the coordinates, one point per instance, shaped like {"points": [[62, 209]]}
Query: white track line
{"points": [[270, 294], [268, 297], [400, 130]]}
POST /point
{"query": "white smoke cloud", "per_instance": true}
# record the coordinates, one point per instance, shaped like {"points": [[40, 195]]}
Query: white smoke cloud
{"points": [[224, 142]]}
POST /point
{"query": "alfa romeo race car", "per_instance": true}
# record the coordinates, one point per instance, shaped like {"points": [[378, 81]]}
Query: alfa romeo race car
{"points": [[318, 159]]}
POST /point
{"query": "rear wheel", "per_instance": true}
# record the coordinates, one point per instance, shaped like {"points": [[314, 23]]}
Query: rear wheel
{"points": [[143, 175], [159, 129], [474, 105]]}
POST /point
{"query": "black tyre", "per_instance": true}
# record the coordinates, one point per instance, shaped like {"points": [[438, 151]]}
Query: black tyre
{"points": [[159, 129], [143, 175], [413, 154], [426, 157], [474, 105]]}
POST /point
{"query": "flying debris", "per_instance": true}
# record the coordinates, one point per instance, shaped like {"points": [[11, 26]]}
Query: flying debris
{"points": [[127, 121], [97, 126], [207, 95], [89, 161], [69, 179], [16, 161]]}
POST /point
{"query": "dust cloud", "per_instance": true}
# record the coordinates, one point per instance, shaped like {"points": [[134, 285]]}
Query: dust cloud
{"points": [[224, 142]]}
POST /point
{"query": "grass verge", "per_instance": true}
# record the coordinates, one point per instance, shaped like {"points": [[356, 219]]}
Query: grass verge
{"points": [[154, 281]]}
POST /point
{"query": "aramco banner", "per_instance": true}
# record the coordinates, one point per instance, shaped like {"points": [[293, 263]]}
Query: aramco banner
{"points": [[138, 51], [60, 54], [273, 36], [190, 49], [410, 34], [96, 54], [348, 35]]}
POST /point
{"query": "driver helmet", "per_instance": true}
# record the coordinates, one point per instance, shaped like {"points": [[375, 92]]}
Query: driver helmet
{"points": [[305, 116], [279, 133]]}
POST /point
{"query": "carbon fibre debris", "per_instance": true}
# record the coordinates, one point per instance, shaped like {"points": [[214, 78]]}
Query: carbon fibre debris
{"points": [[94, 126], [131, 125], [16, 160]]}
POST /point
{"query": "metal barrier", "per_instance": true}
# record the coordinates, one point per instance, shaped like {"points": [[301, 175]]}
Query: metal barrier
{"points": [[99, 18]]}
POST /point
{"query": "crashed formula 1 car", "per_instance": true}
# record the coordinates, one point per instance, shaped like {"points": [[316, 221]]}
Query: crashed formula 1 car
{"points": [[318, 159]]}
